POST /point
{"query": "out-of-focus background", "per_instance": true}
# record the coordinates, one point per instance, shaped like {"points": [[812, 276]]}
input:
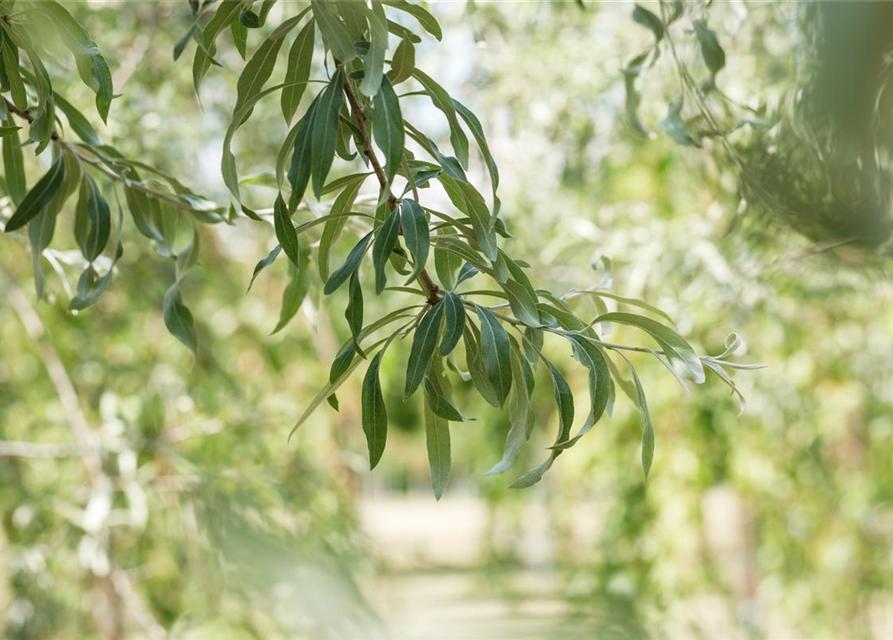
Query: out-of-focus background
{"points": [[198, 519]]}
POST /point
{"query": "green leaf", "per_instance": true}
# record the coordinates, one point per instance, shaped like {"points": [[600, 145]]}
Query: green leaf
{"points": [[445, 104], [650, 21], [437, 397], [402, 62], [428, 22], [373, 63], [226, 13], [523, 306], [14, 168], [96, 220], [475, 364], [10, 55], [263, 264], [354, 310], [332, 230], [375, 414], [477, 130], [79, 124], [299, 173], [415, 235], [40, 234], [466, 199], [676, 127], [285, 230], [446, 265], [260, 67], [520, 416], [648, 428], [385, 242], [300, 58], [40, 196], [388, 127], [424, 342], [674, 346], [296, 289], [564, 399], [325, 132], [350, 265], [495, 354], [240, 37], [178, 319], [334, 34], [455, 323], [714, 56], [590, 356], [437, 432], [633, 97]]}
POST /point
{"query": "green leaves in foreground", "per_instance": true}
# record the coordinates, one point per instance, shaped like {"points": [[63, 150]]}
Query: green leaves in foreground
{"points": [[375, 414], [40, 196], [423, 345]]}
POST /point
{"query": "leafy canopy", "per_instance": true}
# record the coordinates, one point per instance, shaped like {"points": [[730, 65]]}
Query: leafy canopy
{"points": [[478, 318]]}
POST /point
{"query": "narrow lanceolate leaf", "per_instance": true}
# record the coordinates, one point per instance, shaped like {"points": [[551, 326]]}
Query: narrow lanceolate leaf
{"points": [[388, 127], [264, 263], [436, 397], [650, 21], [332, 230], [444, 102], [350, 265], [40, 195], [523, 306], [424, 342], [98, 223], [648, 429], [353, 313], [675, 347], [520, 416], [415, 234], [402, 62], [477, 130], [446, 265], [590, 356], [564, 400], [178, 319], [495, 353], [714, 56], [437, 433], [285, 230], [10, 57], [299, 173], [375, 414], [40, 234], [428, 22], [300, 57], [226, 13], [14, 168], [455, 323], [325, 132], [334, 34], [373, 63], [260, 66], [296, 290], [385, 242]]}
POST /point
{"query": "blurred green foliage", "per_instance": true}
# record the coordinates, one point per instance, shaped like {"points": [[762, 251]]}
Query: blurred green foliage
{"points": [[773, 524]]}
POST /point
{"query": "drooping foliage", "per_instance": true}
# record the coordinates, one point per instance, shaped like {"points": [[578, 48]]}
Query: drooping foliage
{"points": [[812, 153], [350, 69]]}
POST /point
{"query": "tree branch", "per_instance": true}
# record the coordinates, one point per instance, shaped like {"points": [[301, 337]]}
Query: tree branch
{"points": [[431, 287]]}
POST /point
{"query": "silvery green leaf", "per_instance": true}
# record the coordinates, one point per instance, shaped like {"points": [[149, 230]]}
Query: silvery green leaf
{"points": [[424, 343]]}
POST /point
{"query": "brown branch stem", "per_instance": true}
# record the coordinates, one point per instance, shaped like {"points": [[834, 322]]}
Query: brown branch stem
{"points": [[359, 115]]}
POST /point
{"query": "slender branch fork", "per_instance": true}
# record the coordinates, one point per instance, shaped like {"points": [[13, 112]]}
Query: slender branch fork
{"points": [[359, 115]]}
